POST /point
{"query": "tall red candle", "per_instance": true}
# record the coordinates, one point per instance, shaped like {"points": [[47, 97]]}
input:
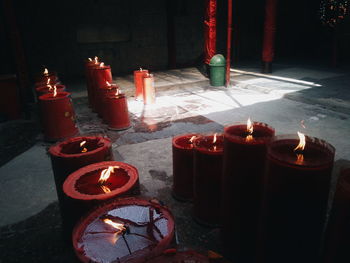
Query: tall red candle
{"points": [[338, 229], [295, 200], [182, 147], [149, 92], [116, 112], [138, 81], [89, 65], [127, 230], [84, 189], [245, 148], [208, 160], [58, 117], [100, 74]]}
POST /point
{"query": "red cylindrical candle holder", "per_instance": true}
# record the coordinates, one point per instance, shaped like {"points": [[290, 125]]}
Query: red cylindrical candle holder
{"points": [[89, 65], [41, 90], [208, 161], [295, 200], [84, 191], [58, 117], [73, 154], [149, 92], [116, 112], [138, 81], [182, 147], [242, 185], [101, 75], [126, 230], [338, 229], [173, 256]]}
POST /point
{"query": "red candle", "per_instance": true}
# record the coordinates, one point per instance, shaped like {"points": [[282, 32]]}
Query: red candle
{"points": [[43, 78], [58, 117], [296, 196], [127, 230], [208, 157], [338, 230], [149, 93], [138, 81], [41, 90], [180, 257], [94, 184], [72, 154], [100, 74], [89, 65], [183, 166], [104, 92], [116, 112], [245, 147]]}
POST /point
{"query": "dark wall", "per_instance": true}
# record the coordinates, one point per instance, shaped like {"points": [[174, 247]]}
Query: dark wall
{"points": [[127, 34]]}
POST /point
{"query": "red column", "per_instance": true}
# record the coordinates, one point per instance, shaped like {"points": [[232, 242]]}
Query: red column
{"points": [[269, 35], [229, 38], [209, 30]]}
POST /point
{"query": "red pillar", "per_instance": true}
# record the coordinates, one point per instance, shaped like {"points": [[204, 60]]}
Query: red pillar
{"points": [[229, 38], [269, 35], [209, 30]]}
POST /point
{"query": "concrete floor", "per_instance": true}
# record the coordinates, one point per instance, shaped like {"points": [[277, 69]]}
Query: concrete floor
{"points": [[29, 218]]}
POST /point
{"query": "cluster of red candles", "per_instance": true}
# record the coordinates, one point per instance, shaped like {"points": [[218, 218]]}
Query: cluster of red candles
{"points": [[268, 193], [105, 97], [56, 107]]}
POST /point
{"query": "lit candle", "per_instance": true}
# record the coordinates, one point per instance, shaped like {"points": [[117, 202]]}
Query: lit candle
{"points": [[138, 81], [105, 91], [125, 230], [49, 88], [100, 74], [89, 64], [296, 196], [71, 155], [245, 147], [208, 156], [338, 229], [182, 147], [149, 93], [42, 79], [116, 111], [58, 117]]}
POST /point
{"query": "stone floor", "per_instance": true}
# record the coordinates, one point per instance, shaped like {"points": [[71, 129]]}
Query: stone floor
{"points": [[30, 222]]}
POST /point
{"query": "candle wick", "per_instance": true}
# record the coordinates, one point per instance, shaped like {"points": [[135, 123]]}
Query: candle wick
{"points": [[126, 243]]}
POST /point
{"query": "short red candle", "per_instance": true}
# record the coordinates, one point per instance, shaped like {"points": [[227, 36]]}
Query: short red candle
{"points": [[100, 74], [83, 190], [208, 158], [180, 257], [41, 90], [182, 146], [138, 81], [295, 199], [58, 117], [242, 185], [149, 93], [149, 230], [338, 230], [68, 156], [117, 113]]}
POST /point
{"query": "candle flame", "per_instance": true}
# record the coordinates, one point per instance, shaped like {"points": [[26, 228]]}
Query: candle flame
{"points": [[54, 91], [250, 128], [192, 138], [117, 92], [140, 69], [102, 64], [106, 173], [118, 226], [105, 189], [50, 87], [84, 150], [48, 81], [300, 158], [302, 143], [108, 84], [214, 139], [96, 60], [46, 72], [90, 59]]}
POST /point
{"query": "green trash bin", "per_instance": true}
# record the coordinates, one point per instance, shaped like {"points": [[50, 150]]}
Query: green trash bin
{"points": [[217, 70]]}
